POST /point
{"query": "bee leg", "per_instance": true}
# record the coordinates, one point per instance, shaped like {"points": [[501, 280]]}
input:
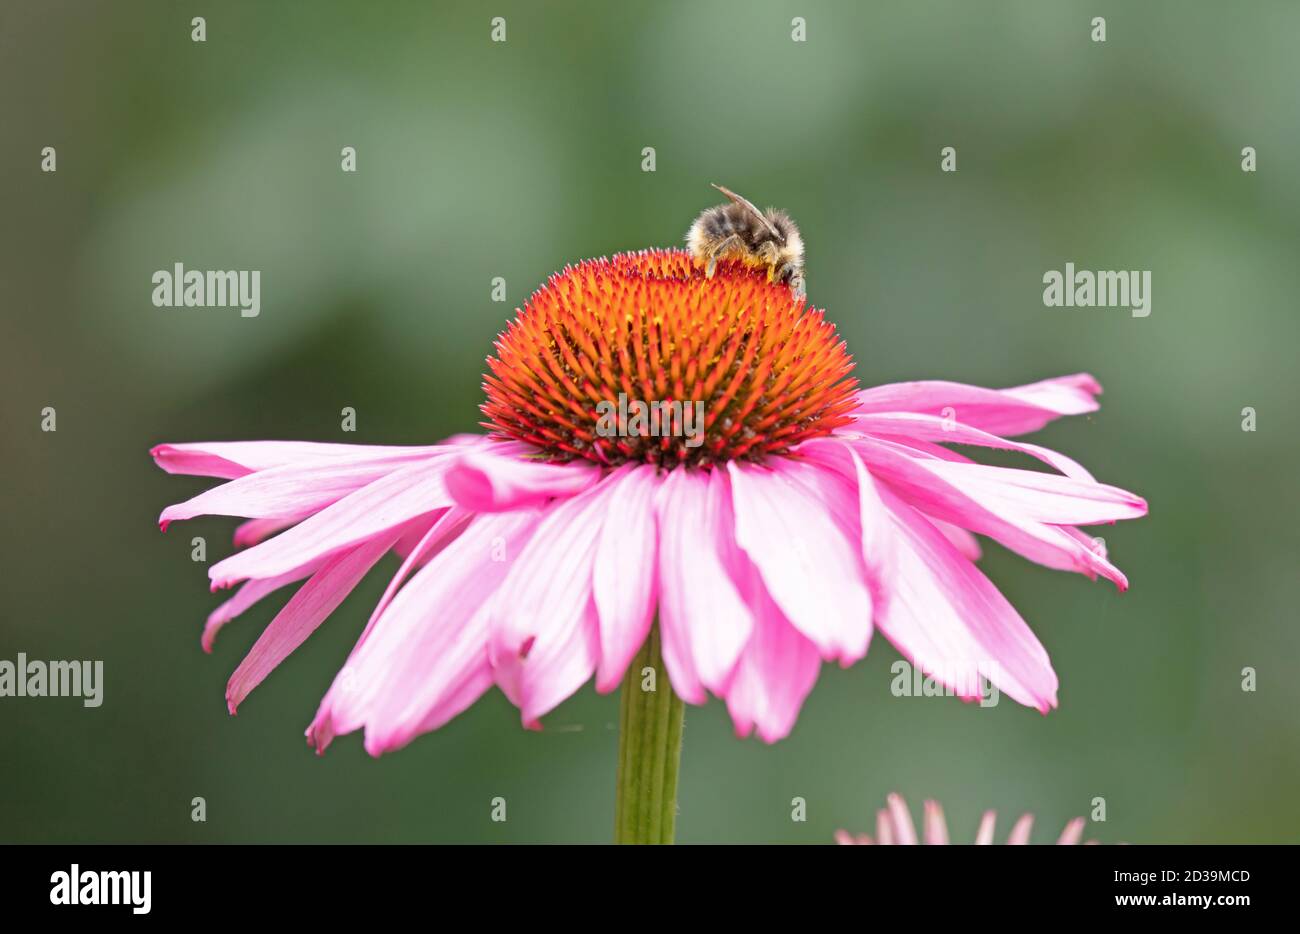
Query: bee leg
{"points": [[730, 243]]}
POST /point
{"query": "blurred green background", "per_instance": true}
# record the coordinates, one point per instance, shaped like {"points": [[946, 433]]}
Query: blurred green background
{"points": [[478, 160]]}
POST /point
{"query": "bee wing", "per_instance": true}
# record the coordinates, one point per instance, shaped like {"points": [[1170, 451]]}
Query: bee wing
{"points": [[749, 206]]}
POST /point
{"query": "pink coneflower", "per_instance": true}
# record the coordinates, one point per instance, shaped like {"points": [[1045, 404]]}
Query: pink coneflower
{"points": [[894, 826], [808, 515]]}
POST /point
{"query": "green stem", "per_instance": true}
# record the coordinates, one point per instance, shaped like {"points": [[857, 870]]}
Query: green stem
{"points": [[649, 750]]}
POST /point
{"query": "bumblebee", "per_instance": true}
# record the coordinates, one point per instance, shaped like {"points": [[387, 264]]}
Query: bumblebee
{"points": [[739, 230]]}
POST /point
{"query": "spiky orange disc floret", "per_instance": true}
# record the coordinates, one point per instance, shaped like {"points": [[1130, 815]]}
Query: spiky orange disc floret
{"points": [[651, 327]]}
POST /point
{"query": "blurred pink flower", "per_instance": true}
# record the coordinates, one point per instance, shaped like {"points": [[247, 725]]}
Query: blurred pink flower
{"points": [[894, 826], [532, 558]]}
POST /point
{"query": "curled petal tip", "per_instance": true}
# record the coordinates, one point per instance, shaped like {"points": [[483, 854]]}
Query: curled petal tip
{"points": [[318, 738], [1089, 382]]}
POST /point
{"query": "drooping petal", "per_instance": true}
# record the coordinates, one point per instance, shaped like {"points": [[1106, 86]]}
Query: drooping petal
{"points": [[950, 620], [776, 671], [545, 642], [248, 594], [811, 567], [426, 657], [874, 524], [705, 622], [545, 674], [472, 682], [231, 459], [1014, 411], [434, 536], [306, 610], [623, 579], [388, 502], [1035, 494], [497, 478], [1039, 496], [293, 491], [914, 426], [1096, 545], [993, 507], [453, 673]]}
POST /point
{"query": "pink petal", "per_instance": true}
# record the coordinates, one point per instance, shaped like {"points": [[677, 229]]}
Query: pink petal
{"points": [[904, 829], [1072, 833], [984, 836], [474, 680], [925, 447], [874, 524], [912, 426], [776, 671], [1041, 497], [453, 674], [295, 490], [622, 580], [1020, 832], [434, 536], [392, 500], [552, 670], [806, 547], [1062, 395], [425, 658], [258, 530], [884, 828], [705, 622], [959, 538], [500, 477], [923, 482], [249, 593], [232, 459], [545, 639], [935, 827], [306, 610], [1014, 411], [951, 621], [412, 539]]}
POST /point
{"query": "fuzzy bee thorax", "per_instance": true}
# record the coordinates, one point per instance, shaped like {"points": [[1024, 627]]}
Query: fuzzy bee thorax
{"points": [[740, 231]]}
